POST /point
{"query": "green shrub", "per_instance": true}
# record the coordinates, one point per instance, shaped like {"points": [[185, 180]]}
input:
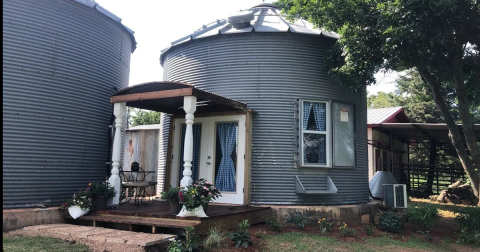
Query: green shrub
{"points": [[390, 222], [273, 224], [191, 239], [325, 225], [175, 246], [242, 236], [297, 219], [468, 219], [370, 229], [346, 231], [215, 239], [422, 216]]}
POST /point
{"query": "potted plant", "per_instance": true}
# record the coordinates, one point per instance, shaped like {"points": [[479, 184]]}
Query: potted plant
{"points": [[100, 193], [135, 167], [192, 202], [172, 197], [79, 205], [208, 192]]}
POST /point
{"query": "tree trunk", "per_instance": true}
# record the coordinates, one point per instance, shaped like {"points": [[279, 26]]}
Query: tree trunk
{"points": [[455, 135]]}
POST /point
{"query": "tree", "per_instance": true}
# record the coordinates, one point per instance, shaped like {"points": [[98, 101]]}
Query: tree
{"points": [[142, 117], [438, 38]]}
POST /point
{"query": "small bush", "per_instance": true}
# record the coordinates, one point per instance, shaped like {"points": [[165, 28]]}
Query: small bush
{"points": [[325, 225], [215, 239], [297, 219], [191, 239], [370, 229], [468, 219], [390, 222], [346, 231], [423, 217], [273, 224], [175, 246], [242, 236]]}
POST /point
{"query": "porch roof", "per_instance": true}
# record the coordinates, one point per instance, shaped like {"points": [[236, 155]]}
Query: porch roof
{"points": [[412, 132], [167, 97]]}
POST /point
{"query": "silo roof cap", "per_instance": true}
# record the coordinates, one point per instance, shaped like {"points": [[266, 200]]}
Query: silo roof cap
{"points": [[266, 18], [95, 6]]}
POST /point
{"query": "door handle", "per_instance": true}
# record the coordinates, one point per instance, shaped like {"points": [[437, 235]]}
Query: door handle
{"points": [[208, 163]]}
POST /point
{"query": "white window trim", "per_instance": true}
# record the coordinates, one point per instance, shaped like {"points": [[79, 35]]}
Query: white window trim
{"points": [[327, 133]]}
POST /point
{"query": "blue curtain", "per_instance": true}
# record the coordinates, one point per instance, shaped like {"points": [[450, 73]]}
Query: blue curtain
{"points": [[320, 113], [225, 180], [307, 107], [197, 131]]}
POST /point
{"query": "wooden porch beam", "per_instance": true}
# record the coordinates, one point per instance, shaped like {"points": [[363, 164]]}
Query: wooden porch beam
{"points": [[152, 95]]}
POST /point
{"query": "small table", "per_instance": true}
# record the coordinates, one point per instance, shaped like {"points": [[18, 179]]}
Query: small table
{"points": [[134, 184]]}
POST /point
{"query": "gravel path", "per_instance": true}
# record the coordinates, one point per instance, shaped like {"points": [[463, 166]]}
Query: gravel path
{"points": [[99, 239]]}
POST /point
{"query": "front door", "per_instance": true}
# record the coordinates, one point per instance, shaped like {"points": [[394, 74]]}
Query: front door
{"points": [[218, 154]]}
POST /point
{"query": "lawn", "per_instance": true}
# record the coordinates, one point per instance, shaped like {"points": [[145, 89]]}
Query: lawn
{"points": [[40, 244]]}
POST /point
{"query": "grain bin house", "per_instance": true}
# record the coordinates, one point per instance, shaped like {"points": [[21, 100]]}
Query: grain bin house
{"points": [[246, 101], [62, 60]]}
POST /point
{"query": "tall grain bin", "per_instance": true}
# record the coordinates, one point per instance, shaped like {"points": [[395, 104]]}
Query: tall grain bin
{"points": [[62, 59], [309, 142]]}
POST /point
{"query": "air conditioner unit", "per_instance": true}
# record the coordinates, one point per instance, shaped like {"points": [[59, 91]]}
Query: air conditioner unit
{"points": [[395, 195]]}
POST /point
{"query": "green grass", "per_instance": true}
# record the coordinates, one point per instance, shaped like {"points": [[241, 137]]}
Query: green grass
{"points": [[39, 244], [297, 241]]}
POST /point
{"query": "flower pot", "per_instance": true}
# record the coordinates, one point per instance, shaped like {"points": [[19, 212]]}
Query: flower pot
{"points": [[76, 211], [99, 203], [205, 208], [197, 212], [175, 207]]}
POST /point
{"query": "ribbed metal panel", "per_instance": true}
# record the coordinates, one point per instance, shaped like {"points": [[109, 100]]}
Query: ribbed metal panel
{"points": [[61, 62], [162, 153], [271, 72]]}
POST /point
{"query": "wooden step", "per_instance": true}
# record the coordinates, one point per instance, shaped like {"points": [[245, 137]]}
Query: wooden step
{"points": [[139, 220]]}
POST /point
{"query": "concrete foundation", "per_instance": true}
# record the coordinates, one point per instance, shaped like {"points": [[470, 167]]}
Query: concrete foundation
{"points": [[350, 214], [19, 218]]}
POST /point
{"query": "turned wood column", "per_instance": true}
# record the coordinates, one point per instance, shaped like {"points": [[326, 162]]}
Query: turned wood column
{"points": [[119, 110], [189, 105]]}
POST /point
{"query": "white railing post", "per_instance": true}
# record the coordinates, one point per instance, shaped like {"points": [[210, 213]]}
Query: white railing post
{"points": [[119, 110], [189, 105]]}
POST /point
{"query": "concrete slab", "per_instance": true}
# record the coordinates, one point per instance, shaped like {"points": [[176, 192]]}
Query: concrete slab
{"points": [[101, 237], [19, 218]]}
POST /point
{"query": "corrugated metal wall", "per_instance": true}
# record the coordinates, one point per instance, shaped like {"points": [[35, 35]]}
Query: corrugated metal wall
{"points": [[61, 62], [270, 72], [162, 152]]}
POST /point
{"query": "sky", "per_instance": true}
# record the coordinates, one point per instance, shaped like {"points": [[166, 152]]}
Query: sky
{"points": [[157, 23]]}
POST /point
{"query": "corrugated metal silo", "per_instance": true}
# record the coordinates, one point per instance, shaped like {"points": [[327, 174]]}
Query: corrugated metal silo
{"points": [[272, 65], [61, 62]]}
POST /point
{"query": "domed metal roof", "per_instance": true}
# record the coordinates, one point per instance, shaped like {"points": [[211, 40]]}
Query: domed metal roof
{"points": [[266, 18]]}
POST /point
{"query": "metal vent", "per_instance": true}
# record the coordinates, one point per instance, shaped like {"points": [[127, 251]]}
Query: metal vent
{"points": [[241, 19]]}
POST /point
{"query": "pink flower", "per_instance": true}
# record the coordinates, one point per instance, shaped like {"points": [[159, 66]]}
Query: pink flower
{"points": [[209, 193], [205, 188]]}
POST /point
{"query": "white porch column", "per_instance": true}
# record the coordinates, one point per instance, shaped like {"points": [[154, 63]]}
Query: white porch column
{"points": [[114, 180], [189, 105]]}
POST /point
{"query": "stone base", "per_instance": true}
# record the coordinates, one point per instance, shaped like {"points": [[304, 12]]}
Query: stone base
{"points": [[350, 214], [19, 218]]}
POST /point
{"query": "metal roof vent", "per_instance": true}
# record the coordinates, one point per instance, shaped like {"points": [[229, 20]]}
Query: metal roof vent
{"points": [[241, 19]]}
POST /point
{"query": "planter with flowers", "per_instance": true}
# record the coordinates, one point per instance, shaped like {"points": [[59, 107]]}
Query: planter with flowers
{"points": [[207, 191], [192, 202], [100, 193], [79, 205], [172, 197]]}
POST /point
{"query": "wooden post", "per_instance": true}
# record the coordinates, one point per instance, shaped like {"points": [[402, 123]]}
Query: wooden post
{"points": [[189, 105], [119, 110]]}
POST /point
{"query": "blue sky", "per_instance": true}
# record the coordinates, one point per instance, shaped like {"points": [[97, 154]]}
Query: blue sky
{"points": [[158, 22]]}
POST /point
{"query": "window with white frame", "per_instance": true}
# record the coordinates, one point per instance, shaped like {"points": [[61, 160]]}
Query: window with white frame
{"points": [[315, 136]]}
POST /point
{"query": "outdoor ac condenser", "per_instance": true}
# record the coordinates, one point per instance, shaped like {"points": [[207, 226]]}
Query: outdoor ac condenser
{"points": [[395, 195]]}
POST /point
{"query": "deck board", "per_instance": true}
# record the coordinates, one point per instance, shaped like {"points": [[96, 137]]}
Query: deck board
{"points": [[157, 214]]}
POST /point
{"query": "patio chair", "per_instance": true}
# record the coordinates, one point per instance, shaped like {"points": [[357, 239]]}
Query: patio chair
{"points": [[133, 186]]}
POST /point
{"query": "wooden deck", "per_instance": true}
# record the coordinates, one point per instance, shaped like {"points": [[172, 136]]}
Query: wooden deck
{"points": [[156, 217]]}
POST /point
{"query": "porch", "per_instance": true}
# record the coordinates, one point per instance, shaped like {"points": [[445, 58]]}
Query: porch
{"points": [[155, 217]]}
